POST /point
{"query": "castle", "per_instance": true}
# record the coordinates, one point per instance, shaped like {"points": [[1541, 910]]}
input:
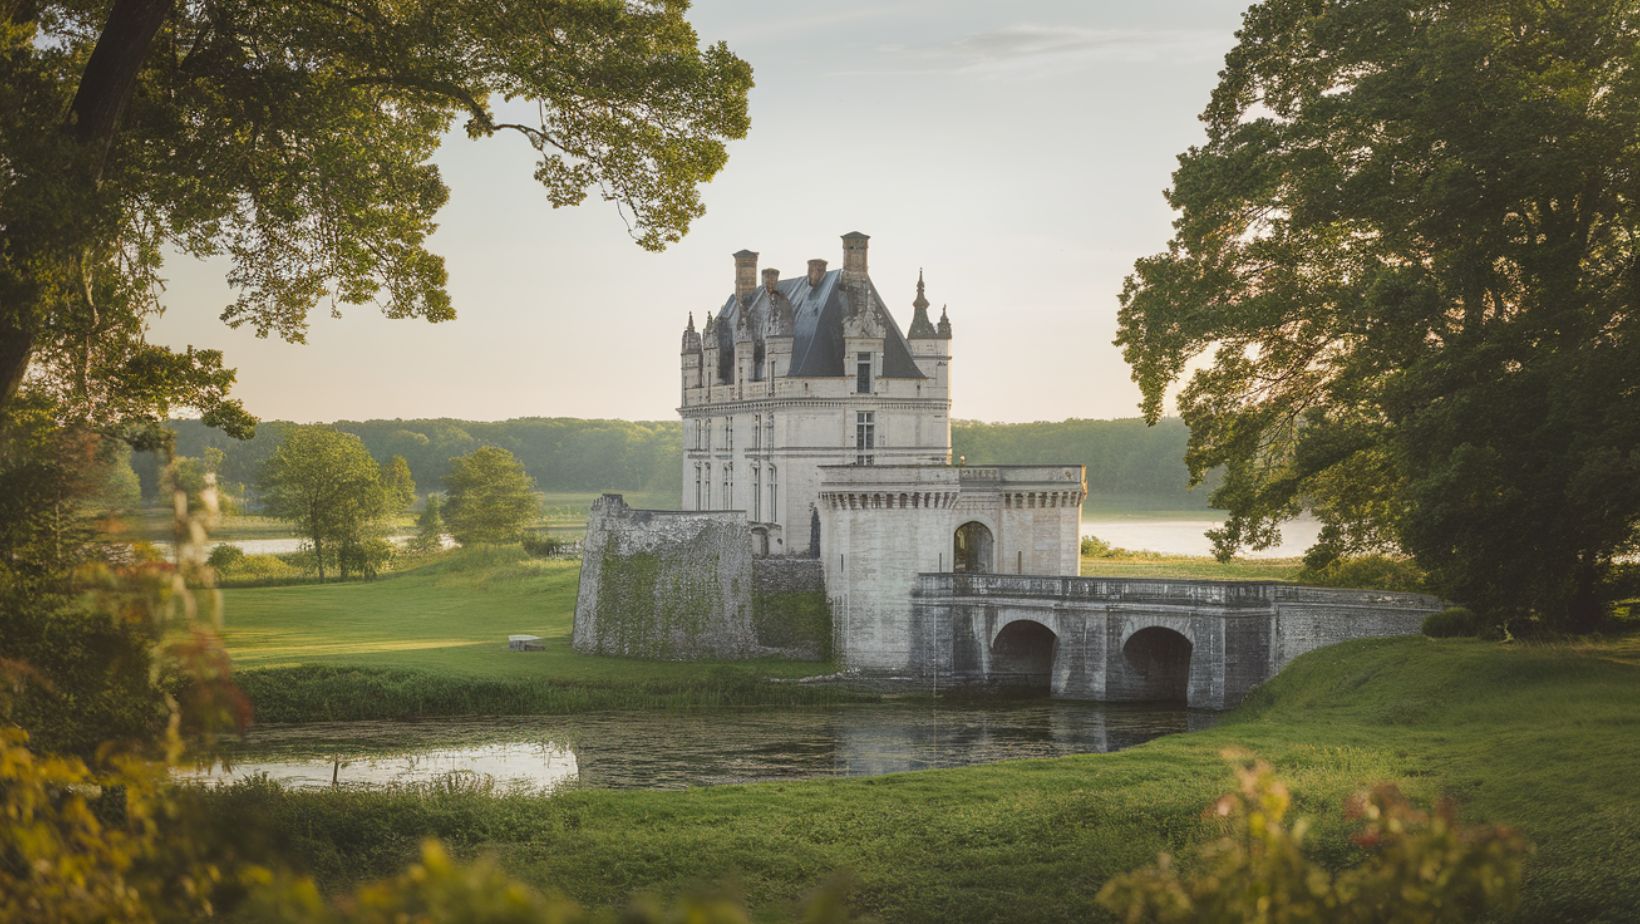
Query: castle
{"points": [[793, 375], [823, 517]]}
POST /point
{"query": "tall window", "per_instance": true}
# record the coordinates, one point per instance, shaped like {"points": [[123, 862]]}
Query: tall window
{"points": [[757, 494], [862, 373], [706, 483], [700, 499], [704, 429], [757, 432], [865, 437], [768, 436], [728, 485], [774, 494], [728, 433]]}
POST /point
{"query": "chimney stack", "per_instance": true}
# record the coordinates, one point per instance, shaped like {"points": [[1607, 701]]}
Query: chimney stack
{"points": [[817, 272], [771, 279], [854, 253], [745, 273]]}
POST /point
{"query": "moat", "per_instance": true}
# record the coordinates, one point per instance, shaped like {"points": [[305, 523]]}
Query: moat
{"points": [[658, 750]]}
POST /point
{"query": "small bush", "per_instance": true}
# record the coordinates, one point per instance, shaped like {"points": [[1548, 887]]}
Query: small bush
{"points": [[1095, 547], [1415, 865], [1452, 622], [541, 545], [262, 568], [1371, 572], [225, 557]]}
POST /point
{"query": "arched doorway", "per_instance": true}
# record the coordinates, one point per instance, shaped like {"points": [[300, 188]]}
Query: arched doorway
{"points": [[971, 549], [1160, 661], [1022, 657]]}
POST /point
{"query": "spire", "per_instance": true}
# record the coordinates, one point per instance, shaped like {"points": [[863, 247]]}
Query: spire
{"points": [[691, 339], [920, 328], [945, 324]]}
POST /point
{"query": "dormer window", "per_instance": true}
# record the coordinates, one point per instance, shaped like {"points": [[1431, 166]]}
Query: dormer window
{"points": [[862, 373]]}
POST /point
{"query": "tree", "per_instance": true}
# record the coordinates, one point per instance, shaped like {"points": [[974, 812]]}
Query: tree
{"points": [[296, 140], [400, 487], [1404, 260], [429, 527], [491, 497], [326, 483]]}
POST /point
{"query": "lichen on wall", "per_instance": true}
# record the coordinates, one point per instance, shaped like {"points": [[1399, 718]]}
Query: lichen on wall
{"points": [[677, 585]]}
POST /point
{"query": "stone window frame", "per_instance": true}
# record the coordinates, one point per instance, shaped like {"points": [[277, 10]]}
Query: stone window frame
{"points": [[865, 437]]}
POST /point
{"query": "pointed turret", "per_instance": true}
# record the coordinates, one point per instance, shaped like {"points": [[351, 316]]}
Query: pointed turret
{"points": [[691, 337], [692, 362], [945, 324], [921, 327]]}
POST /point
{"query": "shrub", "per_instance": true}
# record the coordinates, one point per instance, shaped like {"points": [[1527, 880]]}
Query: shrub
{"points": [[1095, 547], [1373, 572], [1452, 622], [262, 568], [542, 545], [224, 557], [1419, 866]]}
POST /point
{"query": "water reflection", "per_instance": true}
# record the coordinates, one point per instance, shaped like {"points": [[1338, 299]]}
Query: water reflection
{"points": [[673, 751]]}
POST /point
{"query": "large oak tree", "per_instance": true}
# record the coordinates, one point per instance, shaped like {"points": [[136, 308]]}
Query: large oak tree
{"points": [[296, 139], [1406, 272]]}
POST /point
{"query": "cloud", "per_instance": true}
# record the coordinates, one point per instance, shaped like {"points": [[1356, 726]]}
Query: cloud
{"points": [[1031, 48]]}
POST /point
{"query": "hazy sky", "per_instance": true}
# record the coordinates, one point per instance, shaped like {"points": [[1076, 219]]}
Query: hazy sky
{"points": [[1017, 152]]}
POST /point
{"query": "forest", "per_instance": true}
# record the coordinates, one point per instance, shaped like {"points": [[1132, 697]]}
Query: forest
{"points": [[1125, 458]]}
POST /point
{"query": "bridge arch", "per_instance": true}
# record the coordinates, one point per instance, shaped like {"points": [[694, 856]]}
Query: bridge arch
{"points": [[1022, 656], [973, 549], [1158, 662]]}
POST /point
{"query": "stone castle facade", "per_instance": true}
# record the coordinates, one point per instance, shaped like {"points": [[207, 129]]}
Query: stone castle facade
{"points": [[823, 518], [792, 375], [816, 428]]}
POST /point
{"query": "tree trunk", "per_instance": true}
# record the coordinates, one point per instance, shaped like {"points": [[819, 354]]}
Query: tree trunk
{"points": [[1585, 609], [319, 554], [106, 85], [16, 348], [111, 72]]}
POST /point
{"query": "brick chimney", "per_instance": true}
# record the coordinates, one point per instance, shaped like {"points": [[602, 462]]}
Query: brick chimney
{"points": [[854, 253], [745, 273], [771, 279], [817, 271]]}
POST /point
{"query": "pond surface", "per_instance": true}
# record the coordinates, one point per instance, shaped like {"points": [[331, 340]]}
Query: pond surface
{"points": [[1186, 535], [657, 750]]}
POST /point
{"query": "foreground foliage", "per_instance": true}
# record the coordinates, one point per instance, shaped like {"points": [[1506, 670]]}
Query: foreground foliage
{"points": [[1419, 867], [1408, 246]]}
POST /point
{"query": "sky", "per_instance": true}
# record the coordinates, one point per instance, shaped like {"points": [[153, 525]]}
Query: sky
{"points": [[1016, 153]]}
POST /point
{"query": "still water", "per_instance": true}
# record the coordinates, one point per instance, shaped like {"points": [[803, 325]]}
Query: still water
{"points": [[1186, 535], [652, 750]]}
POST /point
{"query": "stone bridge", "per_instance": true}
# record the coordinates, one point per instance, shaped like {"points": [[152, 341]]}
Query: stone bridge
{"points": [[1203, 643]]}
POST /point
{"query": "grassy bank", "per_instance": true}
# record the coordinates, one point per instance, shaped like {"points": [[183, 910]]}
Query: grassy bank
{"points": [[432, 641], [1544, 738]]}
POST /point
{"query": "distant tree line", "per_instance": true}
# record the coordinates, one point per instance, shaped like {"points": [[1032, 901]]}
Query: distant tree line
{"points": [[1125, 458], [560, 454]]}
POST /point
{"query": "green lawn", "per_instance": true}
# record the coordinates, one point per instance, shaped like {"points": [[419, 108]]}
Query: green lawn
{"points": [[1543, 738], [1157, 565], [433, 641]]}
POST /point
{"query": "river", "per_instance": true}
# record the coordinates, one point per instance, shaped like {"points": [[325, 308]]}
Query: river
{"points": [[663, 750]]}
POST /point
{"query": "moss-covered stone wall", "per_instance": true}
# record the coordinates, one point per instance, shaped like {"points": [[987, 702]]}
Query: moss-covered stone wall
{"points": [[678, 585]]}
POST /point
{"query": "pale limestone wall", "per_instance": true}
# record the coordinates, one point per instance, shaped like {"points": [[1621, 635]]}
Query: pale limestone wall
{"points": [[883, 525], [1239, 634]]}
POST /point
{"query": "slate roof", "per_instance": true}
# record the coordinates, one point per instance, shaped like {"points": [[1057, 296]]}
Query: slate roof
{"points": [[817, 327]]}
